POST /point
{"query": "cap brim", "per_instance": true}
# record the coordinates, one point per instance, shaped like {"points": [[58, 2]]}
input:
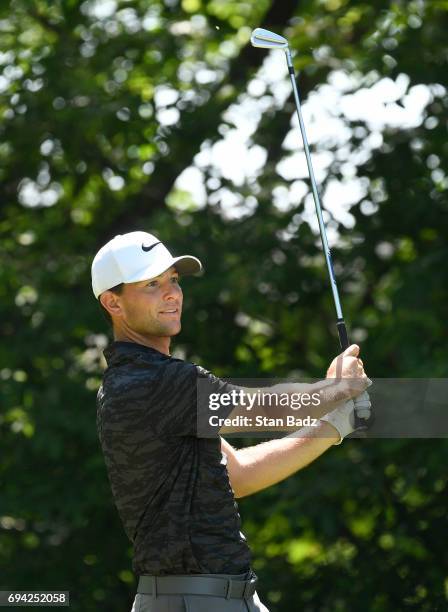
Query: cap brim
{"points": [[185, 265]]}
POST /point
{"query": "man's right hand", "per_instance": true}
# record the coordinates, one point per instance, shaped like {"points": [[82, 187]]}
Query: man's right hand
{"points": [[349, 367]]}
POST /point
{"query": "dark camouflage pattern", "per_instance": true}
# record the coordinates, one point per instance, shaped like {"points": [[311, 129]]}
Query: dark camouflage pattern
{"points": [[171, 488]]}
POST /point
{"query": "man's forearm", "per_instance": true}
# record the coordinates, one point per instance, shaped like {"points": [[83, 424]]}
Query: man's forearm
{"points": [[265, 464], [316, 399]]}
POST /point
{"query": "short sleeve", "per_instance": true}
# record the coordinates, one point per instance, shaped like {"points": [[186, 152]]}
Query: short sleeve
{"points": [[179, 402], [144, 399]]}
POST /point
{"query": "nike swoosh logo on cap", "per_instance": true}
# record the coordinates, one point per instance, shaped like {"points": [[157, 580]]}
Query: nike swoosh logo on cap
{"points": [[148, 248]]}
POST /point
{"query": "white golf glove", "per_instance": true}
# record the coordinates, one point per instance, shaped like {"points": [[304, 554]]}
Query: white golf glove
{"points": [[342, 418]]}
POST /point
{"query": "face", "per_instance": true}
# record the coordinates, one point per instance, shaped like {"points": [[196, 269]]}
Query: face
{"points": [[152, 307]]}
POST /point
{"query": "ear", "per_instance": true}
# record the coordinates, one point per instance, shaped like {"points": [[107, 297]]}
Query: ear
{"points": [[111, 302]]}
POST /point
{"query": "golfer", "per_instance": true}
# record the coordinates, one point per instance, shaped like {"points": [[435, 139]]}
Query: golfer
{"points": [[174, 490]]}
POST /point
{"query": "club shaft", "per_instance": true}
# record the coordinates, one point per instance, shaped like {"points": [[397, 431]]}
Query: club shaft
{"points": [[323, 234]]}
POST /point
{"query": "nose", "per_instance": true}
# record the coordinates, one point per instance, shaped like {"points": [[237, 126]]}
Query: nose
{"points": [[172, 292]]}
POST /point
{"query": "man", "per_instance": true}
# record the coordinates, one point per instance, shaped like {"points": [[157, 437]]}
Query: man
{"points": [[174, 490]]}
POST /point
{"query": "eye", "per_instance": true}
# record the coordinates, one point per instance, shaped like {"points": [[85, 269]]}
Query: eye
{"points": [[152, 283], [175, 280]]}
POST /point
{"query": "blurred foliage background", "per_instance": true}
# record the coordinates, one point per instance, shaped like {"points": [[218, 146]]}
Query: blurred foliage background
{"points": [[123, 115]]}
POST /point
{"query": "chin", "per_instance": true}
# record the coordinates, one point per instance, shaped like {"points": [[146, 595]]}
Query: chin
{"points": [[176, 330], [170, 331]]}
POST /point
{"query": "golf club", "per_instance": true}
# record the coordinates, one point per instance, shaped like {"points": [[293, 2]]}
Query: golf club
{"points": [[264, 39]]}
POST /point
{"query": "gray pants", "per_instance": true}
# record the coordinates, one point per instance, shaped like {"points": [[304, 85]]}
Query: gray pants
{"points": [[198, 603]]}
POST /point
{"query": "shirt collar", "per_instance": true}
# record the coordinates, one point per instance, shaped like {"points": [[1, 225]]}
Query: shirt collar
{"points": [[120, 351]]}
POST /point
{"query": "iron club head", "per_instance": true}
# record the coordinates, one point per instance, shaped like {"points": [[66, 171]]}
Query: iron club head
{"points": [[267, 40]]}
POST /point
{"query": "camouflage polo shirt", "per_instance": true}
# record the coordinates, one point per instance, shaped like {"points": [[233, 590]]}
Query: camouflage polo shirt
{"points": [[171, 488]]}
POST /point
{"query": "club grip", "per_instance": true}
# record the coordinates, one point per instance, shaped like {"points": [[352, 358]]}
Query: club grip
{"points": [[364, 417], [343, 336]]}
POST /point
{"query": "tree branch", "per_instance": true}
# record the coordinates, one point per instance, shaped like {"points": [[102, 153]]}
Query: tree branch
{"points": [[193, 129]]}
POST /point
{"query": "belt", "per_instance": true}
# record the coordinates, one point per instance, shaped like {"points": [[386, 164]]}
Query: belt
{"points": [[197, 585]]}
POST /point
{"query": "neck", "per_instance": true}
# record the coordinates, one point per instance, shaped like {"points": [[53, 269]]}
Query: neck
{"points": [[159, 343]]}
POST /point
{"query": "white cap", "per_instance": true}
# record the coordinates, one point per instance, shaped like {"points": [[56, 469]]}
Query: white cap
{"points": [[133, 257]]}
